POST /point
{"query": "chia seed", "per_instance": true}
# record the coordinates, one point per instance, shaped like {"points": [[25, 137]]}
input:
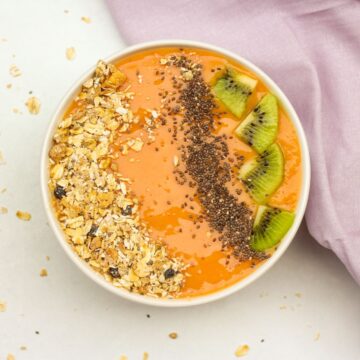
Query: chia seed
{"points": [[206, 160]]}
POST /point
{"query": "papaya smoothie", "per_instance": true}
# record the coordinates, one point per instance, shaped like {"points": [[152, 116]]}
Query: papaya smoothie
{"points": [[175, 172]]}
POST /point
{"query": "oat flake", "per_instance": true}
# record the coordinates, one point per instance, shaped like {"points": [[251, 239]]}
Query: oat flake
{"points": [[23, 215], [86, 19], [2, 306], [242, 350], [14, 71], [70, 53], [33, 104], [43, 272]]}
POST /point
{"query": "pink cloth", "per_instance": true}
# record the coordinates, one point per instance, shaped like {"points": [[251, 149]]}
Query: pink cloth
{"points": [[312, 50]]}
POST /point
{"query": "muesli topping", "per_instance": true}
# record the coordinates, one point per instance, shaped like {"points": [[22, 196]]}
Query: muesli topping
{"points": [[96, 210]]}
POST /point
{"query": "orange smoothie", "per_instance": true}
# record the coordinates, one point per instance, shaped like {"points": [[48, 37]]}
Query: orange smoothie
{"points": [[171, 208]]}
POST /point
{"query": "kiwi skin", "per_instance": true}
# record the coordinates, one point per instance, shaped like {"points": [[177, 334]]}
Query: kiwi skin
{"points": [[233, 89], [259, 129], [270, 226], [264, 174]]}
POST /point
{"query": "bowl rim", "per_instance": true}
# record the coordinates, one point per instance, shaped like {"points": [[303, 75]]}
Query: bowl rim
{"points": [[201, 299]]}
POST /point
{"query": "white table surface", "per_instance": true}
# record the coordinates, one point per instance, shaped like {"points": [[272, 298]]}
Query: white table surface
{"points": [[75, 318]]}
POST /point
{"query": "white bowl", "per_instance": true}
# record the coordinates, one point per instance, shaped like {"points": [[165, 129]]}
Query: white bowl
{"points": [[82, 265]]}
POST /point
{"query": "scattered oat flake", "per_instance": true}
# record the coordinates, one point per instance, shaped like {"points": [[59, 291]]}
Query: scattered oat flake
{"points": [[70, 53], [43, 272], [66, 11], [283, 307], [3, 210], [173, 335], [23, 215], [14, 71], [33, 104], [298, 294], [2, 306], [10, 357], [86, 19], [2, 160], [123, 357], [16, 111], [23, 348], [9, 86], [242, 350], [47, 258], [317, 336], [145, 356]]}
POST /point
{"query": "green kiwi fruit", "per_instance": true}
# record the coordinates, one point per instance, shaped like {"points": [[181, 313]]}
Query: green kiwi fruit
{"points": [[260, 127], [233, 90], [270, 226], [263, 174]]}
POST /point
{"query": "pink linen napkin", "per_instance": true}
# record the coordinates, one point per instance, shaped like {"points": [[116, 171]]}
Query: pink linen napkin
{"points": [[312, 50]]}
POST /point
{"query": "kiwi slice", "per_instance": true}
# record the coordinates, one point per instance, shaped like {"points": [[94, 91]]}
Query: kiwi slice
{"points": [[270, 226], [233, 90], [259, 129], [263, 174]]}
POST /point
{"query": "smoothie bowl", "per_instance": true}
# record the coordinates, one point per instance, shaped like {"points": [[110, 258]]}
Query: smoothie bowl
{"points": [[175, 173]]}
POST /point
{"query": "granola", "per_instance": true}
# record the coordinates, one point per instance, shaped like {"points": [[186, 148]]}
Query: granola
{"points": [[93, 201]]}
